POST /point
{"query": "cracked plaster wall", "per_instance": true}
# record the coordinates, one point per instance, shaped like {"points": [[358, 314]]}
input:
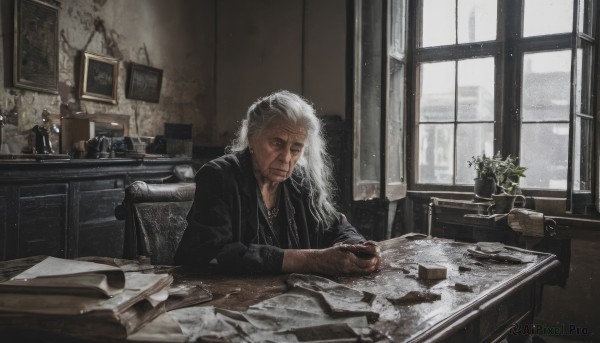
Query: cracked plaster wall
{"points": [[217, 58], [176, 36]]}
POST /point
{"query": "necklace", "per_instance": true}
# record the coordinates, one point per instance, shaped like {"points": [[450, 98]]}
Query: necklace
{"points": [[272, 214]]}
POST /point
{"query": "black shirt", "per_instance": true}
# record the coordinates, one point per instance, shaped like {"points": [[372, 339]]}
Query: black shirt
{"points": [[226, 221]]}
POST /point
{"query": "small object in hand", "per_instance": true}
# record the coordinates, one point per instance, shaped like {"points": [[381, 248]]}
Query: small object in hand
{"points": [[364, 254], [432, 272], [362, 251]]}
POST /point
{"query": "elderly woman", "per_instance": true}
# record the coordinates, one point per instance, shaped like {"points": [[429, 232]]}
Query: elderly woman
{"points": [[266, 207]]}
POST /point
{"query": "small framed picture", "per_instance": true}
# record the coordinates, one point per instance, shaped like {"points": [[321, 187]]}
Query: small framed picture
{"points": [[144, 83], [99, 77], [36, 46]]}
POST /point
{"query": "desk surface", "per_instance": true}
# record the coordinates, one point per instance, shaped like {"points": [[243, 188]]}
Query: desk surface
{"points": [[480, 299], [489, 298]]}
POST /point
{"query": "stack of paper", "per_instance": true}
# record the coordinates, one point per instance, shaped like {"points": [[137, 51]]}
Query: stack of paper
{"points": [[187, 294], [82, 299]]}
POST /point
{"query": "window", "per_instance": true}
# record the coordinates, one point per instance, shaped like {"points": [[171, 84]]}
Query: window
{"points": [[512, 76], [455, 63], [380, 99], [468, 77]]}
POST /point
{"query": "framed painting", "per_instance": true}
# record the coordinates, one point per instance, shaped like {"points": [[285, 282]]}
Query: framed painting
{"points": [[144, 83], [35, 55], [99, 77]]}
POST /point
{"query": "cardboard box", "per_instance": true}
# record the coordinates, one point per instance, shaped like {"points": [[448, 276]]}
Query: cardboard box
{"points": [[74, 130]]}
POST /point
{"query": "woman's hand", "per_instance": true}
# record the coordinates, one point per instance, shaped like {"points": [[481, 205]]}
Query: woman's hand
{"points": [[365, 252], [342, 259]]}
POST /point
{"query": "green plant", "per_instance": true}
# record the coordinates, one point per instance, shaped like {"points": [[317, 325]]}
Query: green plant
{"points": [[483, 165], [508, 174], [504, 171]]}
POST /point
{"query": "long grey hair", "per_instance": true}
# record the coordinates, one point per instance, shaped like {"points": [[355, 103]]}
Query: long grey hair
{"points": [[315, 161]]}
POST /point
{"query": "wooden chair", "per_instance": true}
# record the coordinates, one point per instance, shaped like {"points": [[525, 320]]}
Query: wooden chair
{"points": [[155, 218]]}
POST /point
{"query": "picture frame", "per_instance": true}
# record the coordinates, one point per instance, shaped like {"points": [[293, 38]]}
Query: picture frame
{"points": [[144, 83], [99, 77], [36, 46]]}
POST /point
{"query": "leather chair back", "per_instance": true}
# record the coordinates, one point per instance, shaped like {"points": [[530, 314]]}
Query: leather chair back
{"points": [[155, 218]]}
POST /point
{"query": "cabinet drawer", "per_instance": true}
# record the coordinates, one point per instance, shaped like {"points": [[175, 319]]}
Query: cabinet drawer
{"points": [[99, 206], [43, 189], [3, 225], [506, 314], [42, 226]]}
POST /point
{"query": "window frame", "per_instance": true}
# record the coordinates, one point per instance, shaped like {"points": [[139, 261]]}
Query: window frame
{"points": [[508, 50], [394, 190], [381, 188], [582, 201]]}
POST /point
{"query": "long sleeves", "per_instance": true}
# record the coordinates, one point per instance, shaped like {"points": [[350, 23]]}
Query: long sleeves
{"points": [[223, 222]]}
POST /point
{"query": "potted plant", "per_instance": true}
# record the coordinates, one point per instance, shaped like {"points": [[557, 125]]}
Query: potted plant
{"points": [[507, 174], [485, 182], [504, 173]]}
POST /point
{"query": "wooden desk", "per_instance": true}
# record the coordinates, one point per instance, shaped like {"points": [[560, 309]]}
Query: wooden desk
{"points": [[502, 293]]}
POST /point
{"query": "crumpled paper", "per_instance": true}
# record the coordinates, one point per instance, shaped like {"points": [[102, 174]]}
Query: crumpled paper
{"points": [[314, 309]]}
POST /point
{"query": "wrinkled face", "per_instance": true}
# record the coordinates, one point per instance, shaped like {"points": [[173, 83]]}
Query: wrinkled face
{"points": [[276, 150]]}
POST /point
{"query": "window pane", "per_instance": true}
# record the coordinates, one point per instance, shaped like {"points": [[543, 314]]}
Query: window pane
{"points": [[544, 152], [438, 24], [436, 153], [584, 80], [544, 17], [395, 124], [476, 20], [582, 155], [472, 140], [436, 101], [585, 16], [398, 40], [546, 85], [476, 89]]}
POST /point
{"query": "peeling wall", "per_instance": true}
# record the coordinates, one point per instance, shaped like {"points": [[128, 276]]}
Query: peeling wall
{"points": [[217, 57], [176, 36]]}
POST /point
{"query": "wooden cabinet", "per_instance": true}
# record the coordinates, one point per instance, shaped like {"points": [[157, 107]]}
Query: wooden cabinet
{"points": [[3, 221], [41, 225], [96, 231], [33, 219], [66, 209]]}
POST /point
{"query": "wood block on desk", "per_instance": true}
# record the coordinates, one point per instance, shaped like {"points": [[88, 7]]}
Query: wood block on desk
{"points": [[432, 272]]}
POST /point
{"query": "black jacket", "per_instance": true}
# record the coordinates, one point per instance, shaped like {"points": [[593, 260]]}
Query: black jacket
{"points": [[224, 219]]}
